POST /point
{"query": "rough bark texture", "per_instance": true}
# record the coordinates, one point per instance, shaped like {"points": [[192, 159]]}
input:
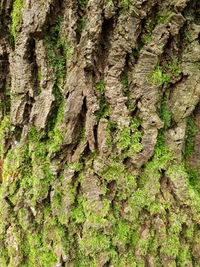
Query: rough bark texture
{"points": [[100, 133]]}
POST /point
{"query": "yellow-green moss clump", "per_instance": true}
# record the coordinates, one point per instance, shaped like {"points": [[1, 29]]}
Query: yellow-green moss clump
{"points": [[16, 16]]}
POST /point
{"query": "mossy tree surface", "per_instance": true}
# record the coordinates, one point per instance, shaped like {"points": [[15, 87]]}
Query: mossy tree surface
{"points": [[100, 133]]}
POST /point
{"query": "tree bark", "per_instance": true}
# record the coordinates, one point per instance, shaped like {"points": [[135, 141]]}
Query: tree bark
{"points": [[100, 133]]}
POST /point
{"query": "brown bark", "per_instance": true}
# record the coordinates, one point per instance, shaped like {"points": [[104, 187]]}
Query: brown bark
{"points": [[100, 133]]}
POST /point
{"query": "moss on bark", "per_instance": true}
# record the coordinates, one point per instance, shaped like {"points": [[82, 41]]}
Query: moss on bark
{"points": [[100, 146]]}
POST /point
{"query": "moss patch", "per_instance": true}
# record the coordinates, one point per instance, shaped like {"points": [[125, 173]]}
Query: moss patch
{"points": [[190, 137], [158, 77], [16, 16]]}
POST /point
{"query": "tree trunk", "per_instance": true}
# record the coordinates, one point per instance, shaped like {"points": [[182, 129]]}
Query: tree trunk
{"points": [[100, 133]]}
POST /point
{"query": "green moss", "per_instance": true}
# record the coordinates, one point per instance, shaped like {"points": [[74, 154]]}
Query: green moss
{"points": [[15, 247], [37, 254], [76, 166], [110, 129], [162, 155], [27, 166], [124, 138], [67, 47], [165, 113], [41, 149], [126, 91], [144, 244], [39, 74], [6, 105], [23, 218], [147, 38], [55, 135], [157, 207], [58, 50], [184, 256], [4, 258], [178, 172], [127, 6], [112, 171], [16, 17], [39, 77], [83, 3], [93, 242], [128, 139], [163, 17], [100, 86], [48, 258], [136, 52], [96, 221], [91, 209], [121, 234], [81, 25], [136, 145], [87, 212], [174, 68], [43, 146], [34, 135], [124, 82], [144, 196], [137, 202], [125, 259], [103, 105], [39, 245], [191, 131], [5, 131], [193, 175], [189, 232], [171, 245], [126, 185], [17, 171], [104, 109], [158, 77], [77, 214], [14, 165], [110, 2]]}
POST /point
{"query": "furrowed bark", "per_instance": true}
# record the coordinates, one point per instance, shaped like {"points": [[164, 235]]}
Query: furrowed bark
{"points": [[99, 133]]}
